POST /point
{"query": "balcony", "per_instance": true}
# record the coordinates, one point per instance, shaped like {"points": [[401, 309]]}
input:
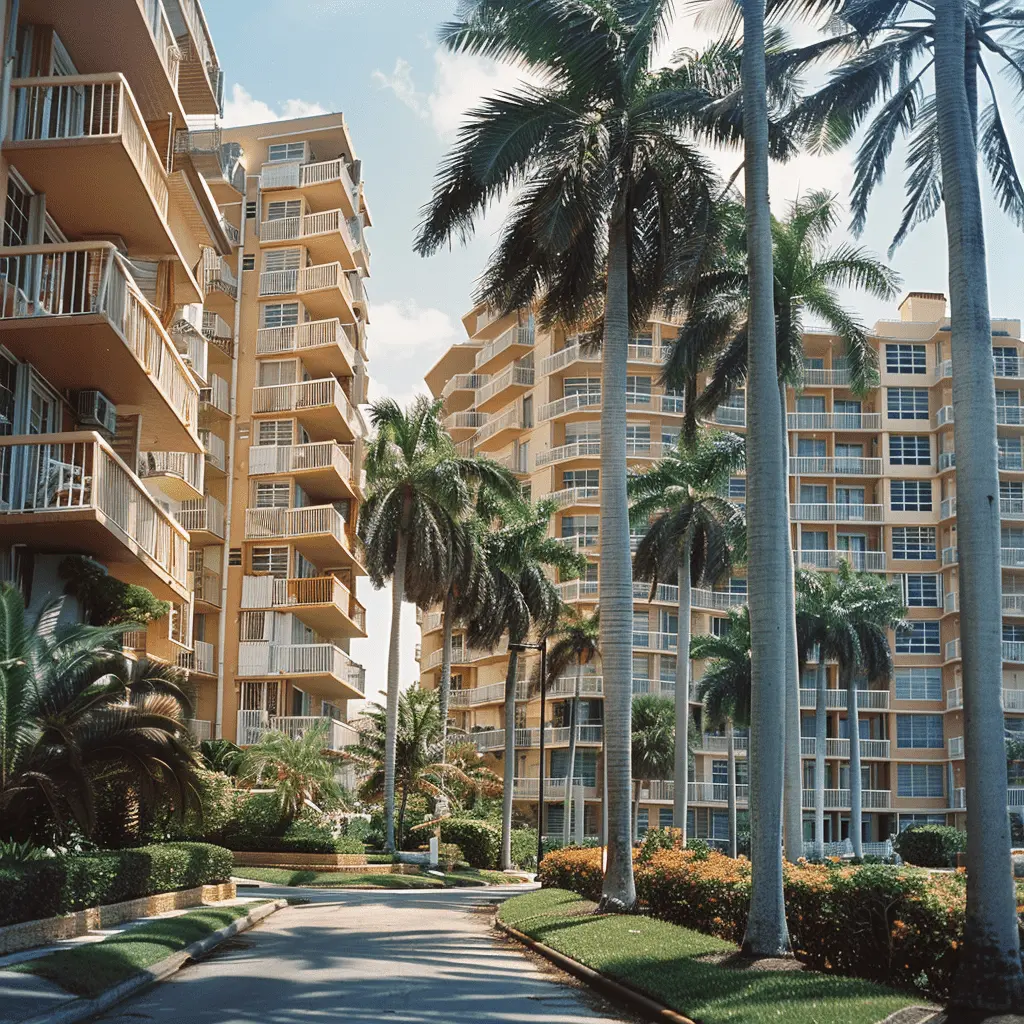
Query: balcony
{"points": [[215, 400], [71, 492], [200, 79], [217, 332], [462, 424], [253, 724], [810, 466], [1010, 415], [220, 286], [324, 289], [867, 700], [206, 589], [1011, 558], [81, 298], [944, 417], [494, 739], [323, 603], [464, 387], [834, 420], [499, 430], [839, 799], [322, 468], [474, 696], [325, 235], [204, 520], [219, 166], [178, 474], [701, 792], [710, 744], [570, 497], [319, 533], [729, 416], [510, 345], [650, 640], [871, 561], [192, 347], [840, 748], [574, 591], [502, 388], [201, 729], [201, 660], [324, 183], [841, 513], [955, 748], [216, 452], [321, 406], [325, 667], [462, 655], [837, 377], [572, 407], [569, 453], [1013, 604], [554, 789], [324, 346]]}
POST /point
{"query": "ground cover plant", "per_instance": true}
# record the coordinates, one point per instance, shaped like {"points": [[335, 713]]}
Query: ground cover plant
{"points": [[377, 880]]}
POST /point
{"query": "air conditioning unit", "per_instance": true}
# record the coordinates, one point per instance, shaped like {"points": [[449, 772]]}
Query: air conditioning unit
{"points": [[96, 410]]}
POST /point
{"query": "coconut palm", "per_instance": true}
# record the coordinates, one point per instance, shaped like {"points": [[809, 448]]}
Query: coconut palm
{"points": [[847, 616], [652, 749], [575, 645], [74, 709], [524, 599], [724, 691], [418, 486], [607, 177], [691, 535]]}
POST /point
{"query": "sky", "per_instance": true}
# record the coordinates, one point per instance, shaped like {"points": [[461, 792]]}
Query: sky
{"points": [[378, 62]]}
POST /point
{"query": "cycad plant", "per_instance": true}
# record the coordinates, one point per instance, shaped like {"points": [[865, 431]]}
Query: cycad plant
{"points": [[652, 748], [418, 487], [724, 691], [692, 533], [73, 708]]}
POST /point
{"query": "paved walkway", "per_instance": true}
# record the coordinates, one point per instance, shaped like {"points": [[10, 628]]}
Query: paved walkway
{"points": [[409, 956]]}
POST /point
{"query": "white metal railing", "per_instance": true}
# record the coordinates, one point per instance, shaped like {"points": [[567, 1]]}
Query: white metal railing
{"points": [[822, 378], [310, 225], [569, 404], [316, 278], [837, 747], [1013, 461], [867, 700], [1008, 366], [261, 657], [253, 724], [729, 416], [655, 641], [464, 382], [954, 698], [947, 460], [839, 799], [1009, 415], [1013, 700], [564, 452], [955, 747], [834, 420], [84, 278], [203, 515], [471, 696], [1013, 604], [202, 658], [577, 590], [464, 420], [706, 792], [873, 561], [325, 171], [289, 523], [952, 602], [959, 801], [200, 39], [948, 507], [308, 394], [1012, 558], [215, 327], [565, 686], [163, 38], [206, 586], [578, 541], [298, 458], [944, 369], [575, 496], [217, 395], [827, 466], [215, 448], [566, 356], [524, 788], [188, 466], [516, 335], [199, 728], [944, 416], [514, 376], [70, 472], [835, 513], [1013, 650], [192, 347], [466, 655], [218, 275], [510, 419], [299, 337], [952, 649], [950, 556], [296, 592], [720, 744], [661, 687]]}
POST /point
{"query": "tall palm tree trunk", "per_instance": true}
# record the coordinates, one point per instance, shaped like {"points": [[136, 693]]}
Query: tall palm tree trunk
{"points": [[767, 518], [681, 768], [619, 891], [394, 670], [570, 772], [730, 733], [989, 976], [856, 798], [792, 805], [510, 761], [445, 687], [820, 743]]}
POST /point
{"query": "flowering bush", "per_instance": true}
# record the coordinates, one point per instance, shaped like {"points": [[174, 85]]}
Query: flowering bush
{"points": [[898, 926]]}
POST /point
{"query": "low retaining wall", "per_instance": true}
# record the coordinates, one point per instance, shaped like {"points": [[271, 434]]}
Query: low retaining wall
{"points": [[313, 861], [26, 934]]}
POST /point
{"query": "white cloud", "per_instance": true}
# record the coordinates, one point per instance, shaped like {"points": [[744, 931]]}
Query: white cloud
{"points": [[242, 108]]}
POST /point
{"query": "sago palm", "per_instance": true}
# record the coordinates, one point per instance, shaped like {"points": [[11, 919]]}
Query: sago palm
{"points": [[724, 690], [652, 747], [691, 536], [418, 486]]}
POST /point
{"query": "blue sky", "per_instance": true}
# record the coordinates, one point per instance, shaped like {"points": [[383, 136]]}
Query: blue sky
{"points": [[379, 63]]}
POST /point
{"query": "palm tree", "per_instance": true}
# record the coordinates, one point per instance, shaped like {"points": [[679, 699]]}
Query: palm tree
{"points": [[652, 748], [73, 708], [575, 645], [725, 691], [418, 487], [523, 598], [847, 616], [295, 766], [610, 188], [691, 536], [425, 763]]}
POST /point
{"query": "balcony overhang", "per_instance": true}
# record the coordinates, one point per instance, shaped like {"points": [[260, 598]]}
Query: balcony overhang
{"points": [[457, 359]]}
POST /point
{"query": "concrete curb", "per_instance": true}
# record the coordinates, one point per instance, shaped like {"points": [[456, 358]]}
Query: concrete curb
{"points": [[636, 1001], [84, 1009]]}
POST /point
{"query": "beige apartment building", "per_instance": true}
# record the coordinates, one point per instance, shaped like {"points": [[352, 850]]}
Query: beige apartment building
{"points": [[182, 346], [871, 481]]}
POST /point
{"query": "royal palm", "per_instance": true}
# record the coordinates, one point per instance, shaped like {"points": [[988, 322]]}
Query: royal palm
{"points": [[652, 747]]}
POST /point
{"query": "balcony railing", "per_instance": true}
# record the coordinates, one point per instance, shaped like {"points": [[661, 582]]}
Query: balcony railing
{"points": [[206, 586], [289, 523], [327, 222], [464, 382], [841, 513], [955, 747], [300, 458], [700, 792], [272, 341], [464, 421], [80, 472], [466, 655], [218, 275], [215, 449], [729, 416], [517, 335], [840, 748], [258, 658], [944, 416], [833, 378], [472, 696], [661, 687], [578, 590], [590, 400], [269, 592], [217, 396], [514, 376], [203, 516], [189, 466], [202, 658], [576, 450], [655, 641], [839, 799], [317, 278], [253, 724], [90, 278], [867, 700], [307, 395], [834, 420], [296, 175], [872, 561], [200, 729], [575, 496], [494, 739], [511, 419], [529, 789], [822, 466]]}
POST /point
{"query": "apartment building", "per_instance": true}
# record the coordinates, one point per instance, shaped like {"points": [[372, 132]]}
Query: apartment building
{"points": [[871, 481]]}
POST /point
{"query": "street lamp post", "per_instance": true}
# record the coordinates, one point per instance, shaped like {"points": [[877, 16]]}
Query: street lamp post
{"points": [[543, 648]]}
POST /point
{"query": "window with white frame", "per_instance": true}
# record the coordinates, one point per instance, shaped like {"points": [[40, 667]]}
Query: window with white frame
{"points": [[905, 359], [920, 780], [278, 433], [906, 820], [910, 496], [278, 371], [638, 390], [913, 543], [281, 209], [270, 561], [282, 259], [1007, 362], [918, 683], [581, 526], [272, 494], [582, 386], [921, 590], [907, 403], [737, 488], [580, 478], [919, 732], [910, 450], [17, 211], [921, 637], [278, 151]]}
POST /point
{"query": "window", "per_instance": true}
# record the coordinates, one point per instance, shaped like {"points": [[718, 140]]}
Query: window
{"points": [[278, 371], [814, 540], [914, 543], [638, 438], [527, 420], [580, 478], [587, 432], [664, 817], [919, 732], [1007, 362], [813, 494], [281, 209], [906, 820], [737, 488], [234, 556], [909, 450], [643, 817], [642, 667], [921, 638], [638, 390], [250, 209], [582, 386], [282, 259], [720, 626], [922, 590], [810, 403], [919, 780], [1008, 407], [919, 684], [249, 262], [270, 561], [581, 526], [667, 668], [1011, 490], [286, 151], [907, 403], [910, 496], [905, 359], [1013, 634], [17, 212], [272, 495], [809, 448], [274, 432]]}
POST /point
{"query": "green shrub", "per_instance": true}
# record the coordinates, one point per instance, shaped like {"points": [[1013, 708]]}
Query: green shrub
{"points": [[255, 824], [660, 839], [480, 841], [930, 846], [13, 852], [524, 848], [106, 599], [59, 885], [449, 856], [699, 848], [349, 844]]}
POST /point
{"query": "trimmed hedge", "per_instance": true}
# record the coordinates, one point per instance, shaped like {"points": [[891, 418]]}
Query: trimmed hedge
{"points": [[898, 926], [930, 846], [255, 825], [60, 885], [479, 841]]}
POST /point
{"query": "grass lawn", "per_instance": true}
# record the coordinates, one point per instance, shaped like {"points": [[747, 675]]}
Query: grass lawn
{"points": [[371, 880], [659, 959], [90, 969]]}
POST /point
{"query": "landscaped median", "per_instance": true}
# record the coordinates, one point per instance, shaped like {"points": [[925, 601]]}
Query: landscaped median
{"points": [[691, 973], [376, 880]]}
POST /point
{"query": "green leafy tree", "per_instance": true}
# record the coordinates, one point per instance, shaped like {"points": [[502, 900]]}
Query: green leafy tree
{"points": [[652, 750], [691, 535], [76, 713], [418, 487]]}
